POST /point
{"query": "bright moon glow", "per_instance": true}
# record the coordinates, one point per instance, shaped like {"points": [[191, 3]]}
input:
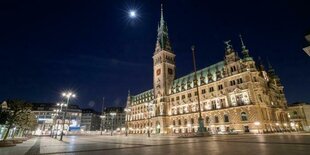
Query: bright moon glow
{"points": [[132, 14]]}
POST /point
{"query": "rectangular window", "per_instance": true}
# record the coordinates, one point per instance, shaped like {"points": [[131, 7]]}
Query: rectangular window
{"points": [[183, 96], [239, 81], [233, 69], [211, 89], [189, 95], [232, 83], [220, 87], [203, 91], [172, 99], [196, 94], [178, 98]]}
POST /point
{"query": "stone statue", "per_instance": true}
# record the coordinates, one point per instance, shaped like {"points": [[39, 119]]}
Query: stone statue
{"points": [[228, 45]]}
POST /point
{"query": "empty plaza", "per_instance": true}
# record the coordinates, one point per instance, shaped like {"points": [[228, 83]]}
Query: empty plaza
{"points": [[120, 144]]}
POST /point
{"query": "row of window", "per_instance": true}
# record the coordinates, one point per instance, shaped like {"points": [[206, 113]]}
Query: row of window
{"points": [[234, 82], [243, 117], [211, 89], [203, 91]]}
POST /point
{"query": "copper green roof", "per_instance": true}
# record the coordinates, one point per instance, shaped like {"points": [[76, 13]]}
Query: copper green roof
{"points": [[162, 33], [143, 97], [248, 59], [201, 75]]}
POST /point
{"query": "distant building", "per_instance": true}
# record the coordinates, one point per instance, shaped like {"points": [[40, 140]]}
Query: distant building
{"points": [[299, 114], [48, 121], [307, 49], [117, 121], [90, 120], [3, 107]]}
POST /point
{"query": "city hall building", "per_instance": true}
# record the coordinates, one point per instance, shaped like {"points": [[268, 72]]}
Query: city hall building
{"points": [[236, 95]]}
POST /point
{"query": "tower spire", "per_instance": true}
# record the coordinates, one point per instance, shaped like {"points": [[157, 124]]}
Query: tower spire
{"points": [[245, 51], [161, 14], [128, 98], [270, 68], [163, 42], [261, 65], [242, 43]]}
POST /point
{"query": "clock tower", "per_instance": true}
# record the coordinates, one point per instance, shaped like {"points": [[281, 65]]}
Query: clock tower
{"points": [[163, 67]]}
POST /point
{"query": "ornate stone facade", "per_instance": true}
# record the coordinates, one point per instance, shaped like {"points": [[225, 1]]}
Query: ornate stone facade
{"points": [[236, 95]]}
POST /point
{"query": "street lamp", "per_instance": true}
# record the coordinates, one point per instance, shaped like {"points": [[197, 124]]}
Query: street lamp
{"points": [[54, 115], [67, 95], [113, 114], [101, 127], [58, 110], [148, 107], [201, 128], [127, 110]]}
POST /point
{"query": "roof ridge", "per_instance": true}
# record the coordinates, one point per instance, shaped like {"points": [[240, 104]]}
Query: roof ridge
{"points": [[200, 70]]}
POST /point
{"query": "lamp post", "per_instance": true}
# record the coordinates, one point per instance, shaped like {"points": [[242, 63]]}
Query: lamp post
{"points": [[127, 110], [102, 117], [148, 107], [201, 128], [67, 95], [59, 109], [101, 126], [112, 115], [55, 115]]}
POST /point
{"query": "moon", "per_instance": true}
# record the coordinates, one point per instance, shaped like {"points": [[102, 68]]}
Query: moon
{"points": [[132, 14]]}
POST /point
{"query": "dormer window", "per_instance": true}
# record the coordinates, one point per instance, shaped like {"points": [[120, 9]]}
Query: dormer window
{"points": [[233, 69]]}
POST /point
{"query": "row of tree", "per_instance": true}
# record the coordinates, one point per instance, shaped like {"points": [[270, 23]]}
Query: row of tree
{"points": [[17, 114]]}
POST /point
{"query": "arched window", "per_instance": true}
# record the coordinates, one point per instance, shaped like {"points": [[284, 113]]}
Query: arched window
{"points": [[180, 122], [226, 119], [244, 116], [185, 121], [173, 122], [216, 119], [192, 121]]}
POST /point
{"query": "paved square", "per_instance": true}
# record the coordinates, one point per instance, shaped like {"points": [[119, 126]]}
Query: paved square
{"points": [[225, 144]]}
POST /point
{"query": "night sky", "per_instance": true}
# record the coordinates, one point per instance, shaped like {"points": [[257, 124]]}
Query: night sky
{"points": [[95, 50]]}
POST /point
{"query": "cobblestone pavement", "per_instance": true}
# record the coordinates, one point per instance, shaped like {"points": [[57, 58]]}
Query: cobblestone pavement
{"points": [[226, 144]]}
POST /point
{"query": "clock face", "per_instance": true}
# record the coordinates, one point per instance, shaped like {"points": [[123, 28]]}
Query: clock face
{"points": [[170, 71], [158, 72]]}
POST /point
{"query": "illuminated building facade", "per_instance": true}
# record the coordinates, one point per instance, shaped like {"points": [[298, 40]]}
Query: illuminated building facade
{"points": [[236, 95], [90, 120], [299, 114], [47, 120]]}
